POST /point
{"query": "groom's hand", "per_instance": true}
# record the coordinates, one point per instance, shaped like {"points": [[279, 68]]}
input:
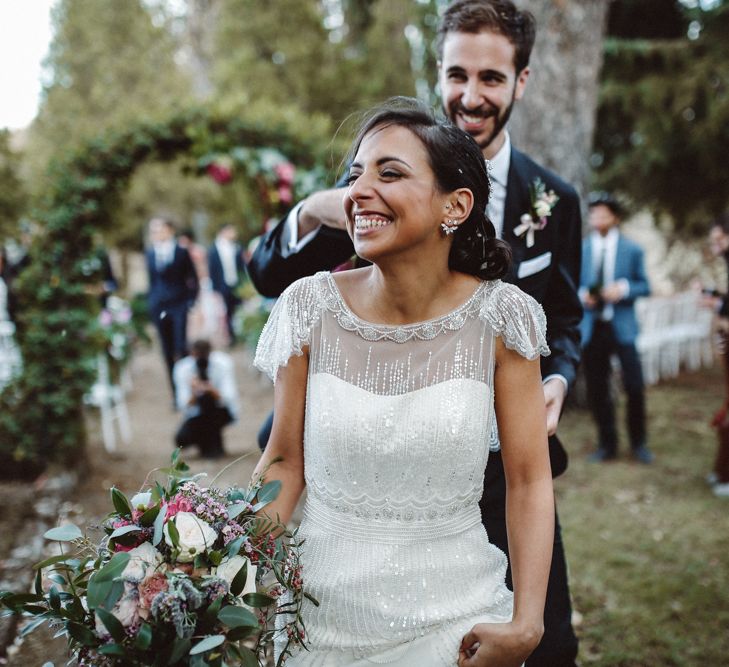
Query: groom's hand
{"points": [[497, 645], [322, 208], [554, 395]]}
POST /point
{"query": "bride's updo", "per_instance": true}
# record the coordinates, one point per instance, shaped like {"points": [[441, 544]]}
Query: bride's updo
{"points": [[457, 162]]}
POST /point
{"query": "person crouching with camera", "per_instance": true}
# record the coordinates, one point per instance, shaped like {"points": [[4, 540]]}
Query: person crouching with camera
{"points": [[207, 395]]}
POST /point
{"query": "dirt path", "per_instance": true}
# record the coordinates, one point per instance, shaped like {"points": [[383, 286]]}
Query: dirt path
{"points": [[153, 424]]}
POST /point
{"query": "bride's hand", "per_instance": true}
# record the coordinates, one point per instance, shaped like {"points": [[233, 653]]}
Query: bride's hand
{"points": [[497, 645]]}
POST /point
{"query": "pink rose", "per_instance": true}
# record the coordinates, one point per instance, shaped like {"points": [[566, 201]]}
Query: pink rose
{"points": [[285, 194], [220, 172], [149, 587], [285, 171]]}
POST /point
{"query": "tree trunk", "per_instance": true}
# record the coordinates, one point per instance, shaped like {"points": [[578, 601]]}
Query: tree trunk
{"points": [[555, 121]]}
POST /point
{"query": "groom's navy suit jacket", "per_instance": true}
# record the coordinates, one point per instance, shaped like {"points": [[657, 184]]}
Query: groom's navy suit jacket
{"points": [[549, 270]]}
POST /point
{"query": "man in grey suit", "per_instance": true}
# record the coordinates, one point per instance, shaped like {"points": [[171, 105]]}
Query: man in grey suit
{"points": [[612, 278]]}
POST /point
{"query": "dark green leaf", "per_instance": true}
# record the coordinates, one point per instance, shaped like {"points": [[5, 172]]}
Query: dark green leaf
{"points": [[147, 519], [113, 568], [180, 648], [38, 583], [144, 637], [215, 557], [234, 617], [207, 644], [54, 599], [249, 657], [52, 561], [241, 632], [112, 624], [81, 634], [239, 581], [311, 599], [121, 503], [112, 649], [66, 533], [173, 533], [258, 600]]}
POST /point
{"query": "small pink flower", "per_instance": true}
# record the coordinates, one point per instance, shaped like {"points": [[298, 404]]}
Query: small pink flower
{"points": [[106, 319], [220, 172], [285, 171], [285, 194]]}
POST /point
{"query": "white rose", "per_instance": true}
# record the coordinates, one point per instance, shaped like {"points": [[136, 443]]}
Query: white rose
{"points": [[542, 209], [140, 559], [231, 566], [195, 536], [126, 611], [141, 501]]}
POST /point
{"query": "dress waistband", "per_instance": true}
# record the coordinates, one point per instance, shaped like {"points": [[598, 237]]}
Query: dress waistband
{"points": [[388, 531]]}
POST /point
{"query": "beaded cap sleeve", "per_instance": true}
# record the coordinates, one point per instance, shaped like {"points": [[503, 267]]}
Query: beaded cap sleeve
{"points": [[288, 329], [518, 319]]}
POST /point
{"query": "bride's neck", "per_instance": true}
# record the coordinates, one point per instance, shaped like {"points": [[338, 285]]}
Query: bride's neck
{"points": [[407, 294]]}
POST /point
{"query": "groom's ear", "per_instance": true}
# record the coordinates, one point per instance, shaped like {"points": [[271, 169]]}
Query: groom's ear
{"points": [[521, 83]]}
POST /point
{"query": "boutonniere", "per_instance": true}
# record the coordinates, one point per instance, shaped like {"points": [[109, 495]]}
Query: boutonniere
{"points": [[542, 203]]}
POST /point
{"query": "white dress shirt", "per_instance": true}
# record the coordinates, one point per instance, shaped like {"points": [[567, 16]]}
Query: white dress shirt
{"points": [[226, 252], [164, 253], [608, 245], [221, 374], [498, 168]]}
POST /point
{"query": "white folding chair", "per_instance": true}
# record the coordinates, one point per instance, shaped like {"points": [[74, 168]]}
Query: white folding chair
{"points": [[110, 400]]}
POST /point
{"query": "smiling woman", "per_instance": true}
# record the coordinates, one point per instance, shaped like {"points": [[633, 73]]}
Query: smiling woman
{"points": [[389, 380]]}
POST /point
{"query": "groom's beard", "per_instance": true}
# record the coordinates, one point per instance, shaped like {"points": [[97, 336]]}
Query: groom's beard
{"points": [[500, 120]]}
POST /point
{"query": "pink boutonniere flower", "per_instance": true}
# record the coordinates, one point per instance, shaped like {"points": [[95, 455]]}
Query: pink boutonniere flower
{"points": [[542, 203]]}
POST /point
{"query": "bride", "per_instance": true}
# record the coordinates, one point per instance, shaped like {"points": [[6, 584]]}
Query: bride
{"points": [[388, 380]]}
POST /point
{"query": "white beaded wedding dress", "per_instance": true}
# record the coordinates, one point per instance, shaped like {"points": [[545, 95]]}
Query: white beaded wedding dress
{"points": [[396, 436]]}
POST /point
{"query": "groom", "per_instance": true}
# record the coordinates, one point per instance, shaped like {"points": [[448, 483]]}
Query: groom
{"points": [[483, 52]]}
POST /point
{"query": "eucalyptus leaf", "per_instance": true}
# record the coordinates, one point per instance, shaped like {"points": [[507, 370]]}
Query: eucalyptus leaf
{"points": [[234, 617], [249, 657], [180, 648], [235, 510], [124, 530], [207, 644], [258, 600], [148, 518], [269, 491], [159, 524], [66, 533]]}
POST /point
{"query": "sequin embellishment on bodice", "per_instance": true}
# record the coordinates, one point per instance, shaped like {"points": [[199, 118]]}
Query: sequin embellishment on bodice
{"points": [[396, 439]]}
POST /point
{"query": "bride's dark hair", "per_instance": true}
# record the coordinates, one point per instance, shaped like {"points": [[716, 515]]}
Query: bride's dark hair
{"points": [[457, 162]]}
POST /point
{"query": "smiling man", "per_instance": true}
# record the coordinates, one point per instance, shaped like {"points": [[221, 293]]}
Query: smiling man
{"points": [[483, 69]]}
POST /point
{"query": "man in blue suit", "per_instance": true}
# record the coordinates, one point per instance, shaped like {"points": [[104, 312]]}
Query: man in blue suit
{"points": [[612, 278], [173, 287]]}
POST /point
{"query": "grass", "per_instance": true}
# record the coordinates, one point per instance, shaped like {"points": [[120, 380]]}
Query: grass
{"points": [[648, 546]]}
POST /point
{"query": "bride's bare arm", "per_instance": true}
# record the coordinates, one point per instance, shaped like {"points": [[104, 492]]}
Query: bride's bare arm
{"points": [[287, 438], [521, 416]]}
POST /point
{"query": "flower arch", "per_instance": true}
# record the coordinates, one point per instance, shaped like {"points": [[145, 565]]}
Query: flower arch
{"points": [[41, 411]]}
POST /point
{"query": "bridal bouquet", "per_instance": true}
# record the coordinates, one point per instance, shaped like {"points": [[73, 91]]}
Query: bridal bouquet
{"points": [[185, 575]]}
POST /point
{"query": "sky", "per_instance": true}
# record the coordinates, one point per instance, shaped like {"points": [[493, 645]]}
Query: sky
{"points": [[25, 35]]}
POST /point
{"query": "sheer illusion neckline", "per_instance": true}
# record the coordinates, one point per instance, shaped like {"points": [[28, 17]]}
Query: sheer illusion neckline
{"points": [[401, 333]]}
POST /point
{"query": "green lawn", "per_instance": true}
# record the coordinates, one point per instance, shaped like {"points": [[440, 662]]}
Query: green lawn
{"points": [[648, 546]]}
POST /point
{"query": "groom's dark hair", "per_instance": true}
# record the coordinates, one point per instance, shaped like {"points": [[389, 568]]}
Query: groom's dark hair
{"points": [[499, 16], [456, 162]]}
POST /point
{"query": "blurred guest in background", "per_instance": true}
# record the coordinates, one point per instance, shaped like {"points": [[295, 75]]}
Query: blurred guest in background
{"points": [[206, 393], [226, 266], [613, 277], [173, 287], [10, 360], [719, 478]]}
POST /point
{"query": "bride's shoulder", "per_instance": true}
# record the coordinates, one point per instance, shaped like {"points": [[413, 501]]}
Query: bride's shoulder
{"points": [[516, 316]]}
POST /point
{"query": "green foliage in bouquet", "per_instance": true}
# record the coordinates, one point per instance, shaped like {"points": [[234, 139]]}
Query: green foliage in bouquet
{"points": [[41, 411], [184, 576]]}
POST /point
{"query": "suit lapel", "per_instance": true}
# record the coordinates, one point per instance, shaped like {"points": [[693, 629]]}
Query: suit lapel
{"points": [[516, 204]]}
